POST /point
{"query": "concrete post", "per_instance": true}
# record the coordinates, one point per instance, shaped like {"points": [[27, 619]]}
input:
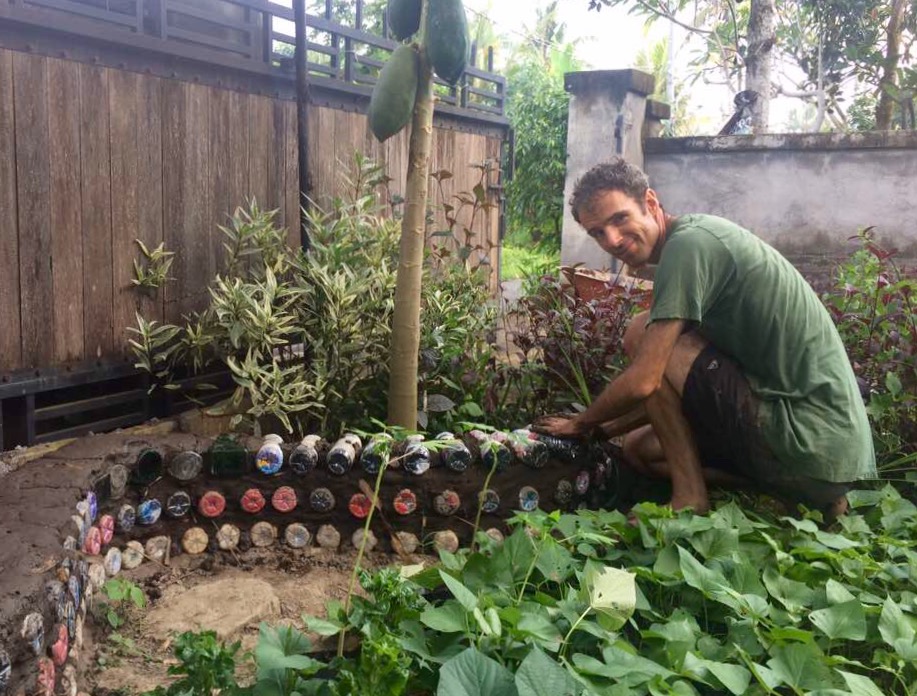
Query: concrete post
{"points": [[606, 117]]}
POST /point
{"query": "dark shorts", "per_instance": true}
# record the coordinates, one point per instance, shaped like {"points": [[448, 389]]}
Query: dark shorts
{"points": [[723, 413]]}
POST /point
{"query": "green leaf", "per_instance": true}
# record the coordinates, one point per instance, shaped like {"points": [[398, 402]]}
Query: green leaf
{"points": [[539, 675], [539, 626], [450, 617], [466, 597], [842, 621], [471, 673], [554, 562], [800, 665], [893, 384], [735, 678], [322, 627], [612, 592], [860, 685], [710, 582]]}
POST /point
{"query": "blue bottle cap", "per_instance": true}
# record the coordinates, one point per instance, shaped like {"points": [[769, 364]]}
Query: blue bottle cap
{"points": [[528, 499], [127, 518], [148, 511]]}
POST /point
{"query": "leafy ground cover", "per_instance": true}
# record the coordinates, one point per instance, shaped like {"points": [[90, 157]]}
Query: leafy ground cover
{"points": [[734, 602]]}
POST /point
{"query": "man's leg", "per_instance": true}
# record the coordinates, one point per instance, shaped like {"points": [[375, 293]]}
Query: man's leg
{"points": [[666, 447]]}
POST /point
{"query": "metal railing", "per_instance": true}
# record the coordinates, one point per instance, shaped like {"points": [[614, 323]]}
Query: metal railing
{"points": [[257, 34]]}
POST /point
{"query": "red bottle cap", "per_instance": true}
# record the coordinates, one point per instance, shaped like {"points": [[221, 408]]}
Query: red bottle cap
{"points": [[405, 502], [284, 499], [359, 506], [211, 504], [252, 501]]}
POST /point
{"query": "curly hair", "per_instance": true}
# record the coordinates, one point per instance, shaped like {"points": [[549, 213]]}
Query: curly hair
{"points": [[614, 175]]}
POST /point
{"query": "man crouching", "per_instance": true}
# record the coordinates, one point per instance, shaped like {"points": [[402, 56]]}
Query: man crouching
{"points": [[737, 374]]}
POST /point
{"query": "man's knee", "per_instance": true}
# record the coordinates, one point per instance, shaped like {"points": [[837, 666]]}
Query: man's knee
{"points": [[633, 335]]}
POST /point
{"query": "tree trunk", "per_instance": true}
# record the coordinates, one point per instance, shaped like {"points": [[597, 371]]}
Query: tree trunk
{"points": [[402, 390], [762, 31], [888, 84]]}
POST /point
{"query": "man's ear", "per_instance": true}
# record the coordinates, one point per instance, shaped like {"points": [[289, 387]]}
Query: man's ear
{"points": [[651, 201]]}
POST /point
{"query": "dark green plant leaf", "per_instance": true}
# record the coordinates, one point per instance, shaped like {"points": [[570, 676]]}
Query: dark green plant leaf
{"points": [[539, 675], [472, 673], [845, 621]]}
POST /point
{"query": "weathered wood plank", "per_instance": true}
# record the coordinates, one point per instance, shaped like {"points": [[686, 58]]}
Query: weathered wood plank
{"points": [[276, 169], [291, 175], [174, 196], [239, 108], [124, 94], [95, 156], [10, 336], [347, 137], [221, 166], [197, 215], [149, 178], [66, 209], [260, 120], [33, 178], [325, 173]]}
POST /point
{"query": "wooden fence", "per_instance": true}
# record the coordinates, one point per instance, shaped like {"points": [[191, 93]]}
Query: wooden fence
{"points": [[152, 120]]}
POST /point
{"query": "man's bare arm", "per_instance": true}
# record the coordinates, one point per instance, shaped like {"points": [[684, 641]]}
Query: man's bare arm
{"points": [[631, 388]]}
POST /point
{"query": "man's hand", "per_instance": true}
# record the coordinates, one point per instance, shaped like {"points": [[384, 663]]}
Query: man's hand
{"points": [[560, 426]]}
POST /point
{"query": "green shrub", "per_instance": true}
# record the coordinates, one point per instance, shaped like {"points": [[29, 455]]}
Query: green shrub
{"points": [[306, 335], [874, 305]]}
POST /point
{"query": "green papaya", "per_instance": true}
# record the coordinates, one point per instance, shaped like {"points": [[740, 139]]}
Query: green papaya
{"points": [[392, 100], [404, 17], [446, 38]]}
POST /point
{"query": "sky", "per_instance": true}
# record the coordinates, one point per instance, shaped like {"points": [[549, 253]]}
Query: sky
{"points": [[610, 39]]}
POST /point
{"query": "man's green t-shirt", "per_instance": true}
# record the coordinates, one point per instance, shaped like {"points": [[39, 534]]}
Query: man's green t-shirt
{"points": [[751, 303]]}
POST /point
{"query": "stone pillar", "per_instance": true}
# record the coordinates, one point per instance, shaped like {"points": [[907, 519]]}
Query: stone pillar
{"points": [[607, 112]]}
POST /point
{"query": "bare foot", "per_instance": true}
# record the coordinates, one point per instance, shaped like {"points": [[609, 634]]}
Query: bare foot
{"points": [[835, 509], [699, 506]]}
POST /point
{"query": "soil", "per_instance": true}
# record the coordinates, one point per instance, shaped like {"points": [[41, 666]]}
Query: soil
{"points": [[39, 488], [287, 586]]}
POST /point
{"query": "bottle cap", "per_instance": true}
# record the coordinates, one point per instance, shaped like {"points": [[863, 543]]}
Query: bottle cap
{"points": [[284, 499], [528, 499], [297, 535], [127, 516], [405, 502], [446, 540], [113, 562], [107, 528], [178, 504], [321, 500], [263, 534], [92, 544], [447, 503], [358, 536], [148, 511], [132, 555], [252, 501], [194, 541], [490, 501], [328, 537], [186, 466], [582, 483], [359, 506], [269, 459], [228, 537], [563, 494], [211, 504]]}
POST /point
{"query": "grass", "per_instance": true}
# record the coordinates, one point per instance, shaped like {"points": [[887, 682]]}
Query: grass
{"points": [[519, 261]]}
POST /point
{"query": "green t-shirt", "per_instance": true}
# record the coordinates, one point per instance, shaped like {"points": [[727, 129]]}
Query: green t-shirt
{"points": [[751, 303]]}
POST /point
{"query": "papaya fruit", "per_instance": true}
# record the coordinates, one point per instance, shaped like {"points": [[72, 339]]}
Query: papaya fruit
{"points": [[404, 17], [392, 100], [446, 38]]}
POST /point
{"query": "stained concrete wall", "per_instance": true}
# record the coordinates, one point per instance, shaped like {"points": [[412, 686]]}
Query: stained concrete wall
{"points": [[606, 117], [802, 193]]}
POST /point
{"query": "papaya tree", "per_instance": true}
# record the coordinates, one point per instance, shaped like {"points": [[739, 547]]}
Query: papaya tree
{"points": [[435, 33]]}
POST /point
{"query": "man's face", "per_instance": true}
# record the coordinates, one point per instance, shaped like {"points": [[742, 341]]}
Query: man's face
{"points": [[622, 228]]}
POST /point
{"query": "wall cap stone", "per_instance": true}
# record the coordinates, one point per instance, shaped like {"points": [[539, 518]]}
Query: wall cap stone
{"points": [[585, 81], [874, 140], [657, 110]]}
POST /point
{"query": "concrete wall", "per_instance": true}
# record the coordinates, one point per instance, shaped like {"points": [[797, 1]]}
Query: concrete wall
{"points": [[802, 193]]}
